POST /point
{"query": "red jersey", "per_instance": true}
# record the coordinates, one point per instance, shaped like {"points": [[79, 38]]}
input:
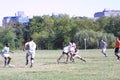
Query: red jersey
{"points": [[117, 44]]}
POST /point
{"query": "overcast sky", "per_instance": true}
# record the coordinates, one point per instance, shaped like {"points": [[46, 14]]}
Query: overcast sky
{"points": [[47, 7]]}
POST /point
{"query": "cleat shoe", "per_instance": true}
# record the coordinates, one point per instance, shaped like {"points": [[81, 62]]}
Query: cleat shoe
{"points": [[11, 65]]}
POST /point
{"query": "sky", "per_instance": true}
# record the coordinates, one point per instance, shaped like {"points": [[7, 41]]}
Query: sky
{"points": [[48, 7]]}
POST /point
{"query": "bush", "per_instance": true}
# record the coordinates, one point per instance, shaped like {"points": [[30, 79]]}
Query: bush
{"points": [[92, 39], [7, 35]]}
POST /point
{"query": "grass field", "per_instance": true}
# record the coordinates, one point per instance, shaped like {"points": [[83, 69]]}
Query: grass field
{"points": [[46, 68]]}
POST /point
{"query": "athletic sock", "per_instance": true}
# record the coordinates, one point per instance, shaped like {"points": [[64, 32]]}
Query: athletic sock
{"points": [[8, 61], [72, 59], [31, 65], [26, 62], [82, 59], [5, 62], [118, 57], [105, 54]]}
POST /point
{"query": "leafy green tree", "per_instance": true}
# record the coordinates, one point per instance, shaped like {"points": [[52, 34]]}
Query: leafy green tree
{"points": [[7, 35], [93, 39], [62, 31], [57, 30], [102, 23], [113, 26], [19, 37], [36, 24]]}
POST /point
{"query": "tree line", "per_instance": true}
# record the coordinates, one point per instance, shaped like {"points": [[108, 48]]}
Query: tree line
{"points": [[55, 31]]}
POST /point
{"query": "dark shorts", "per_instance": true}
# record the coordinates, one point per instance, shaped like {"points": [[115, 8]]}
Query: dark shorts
{"points": [[117, 50], [65, 53]]}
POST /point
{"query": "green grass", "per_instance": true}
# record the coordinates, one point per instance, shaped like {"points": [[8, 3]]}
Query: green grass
{"points": [[46, 68]]}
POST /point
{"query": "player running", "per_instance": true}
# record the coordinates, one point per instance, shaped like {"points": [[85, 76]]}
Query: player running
{"points": [[103, 46], [6, 54], [31, 51], [117, 47]]}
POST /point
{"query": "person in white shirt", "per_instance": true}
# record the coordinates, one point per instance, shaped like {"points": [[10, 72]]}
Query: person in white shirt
{"points": [[5, 53], [72, 46], [31, 45], [65, 52], [75, 55], [74, 51]]}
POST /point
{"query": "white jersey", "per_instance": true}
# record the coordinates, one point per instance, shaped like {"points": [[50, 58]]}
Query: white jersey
{"points": [[5, 52], [32, 46], [66, 49], [72, 47]]}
